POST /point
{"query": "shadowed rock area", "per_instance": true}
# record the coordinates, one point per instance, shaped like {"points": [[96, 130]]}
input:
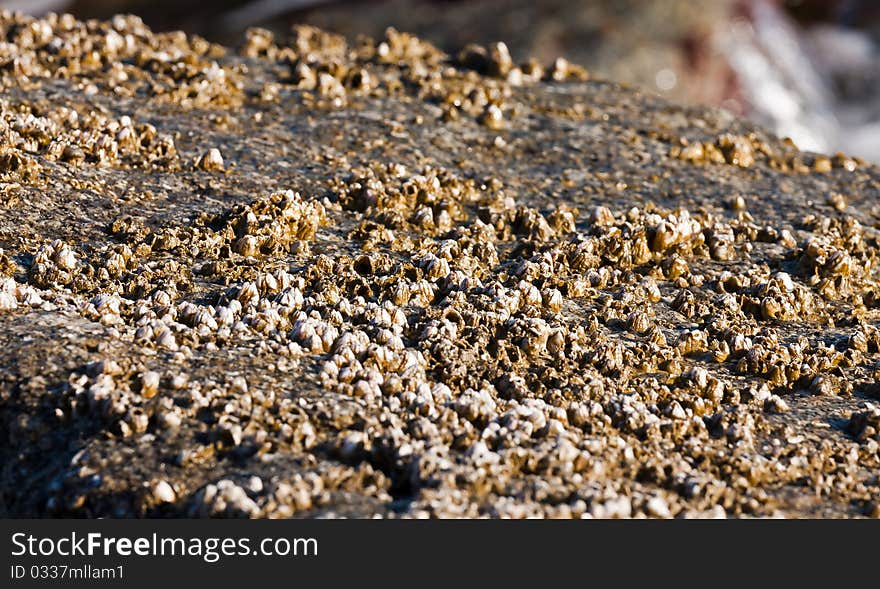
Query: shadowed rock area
{"points": [[310, 277]]}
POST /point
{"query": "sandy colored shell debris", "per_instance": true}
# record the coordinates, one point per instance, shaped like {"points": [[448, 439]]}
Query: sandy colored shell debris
{"points": [[312, 277]]}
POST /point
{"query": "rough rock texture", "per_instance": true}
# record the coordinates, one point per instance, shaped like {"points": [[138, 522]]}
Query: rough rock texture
{"points": [[311, 278]]}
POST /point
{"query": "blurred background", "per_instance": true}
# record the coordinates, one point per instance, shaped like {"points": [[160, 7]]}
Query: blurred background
{"points": [[807, 69]]}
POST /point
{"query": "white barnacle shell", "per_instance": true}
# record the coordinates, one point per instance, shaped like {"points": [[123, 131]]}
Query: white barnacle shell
{"points": [[248, 293], [160, 297], [552, 300], [267, 284], [224, 316], [211, 160], [204, 318], [64, 256], [7, 301]]}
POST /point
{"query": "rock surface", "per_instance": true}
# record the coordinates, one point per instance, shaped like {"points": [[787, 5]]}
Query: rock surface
{"points": [[312, 278]]}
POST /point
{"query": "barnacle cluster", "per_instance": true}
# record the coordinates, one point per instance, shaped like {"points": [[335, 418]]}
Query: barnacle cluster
{"points": [[332, 73], [745, 149], [335, 308], [62, 134], [128, 56]]}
